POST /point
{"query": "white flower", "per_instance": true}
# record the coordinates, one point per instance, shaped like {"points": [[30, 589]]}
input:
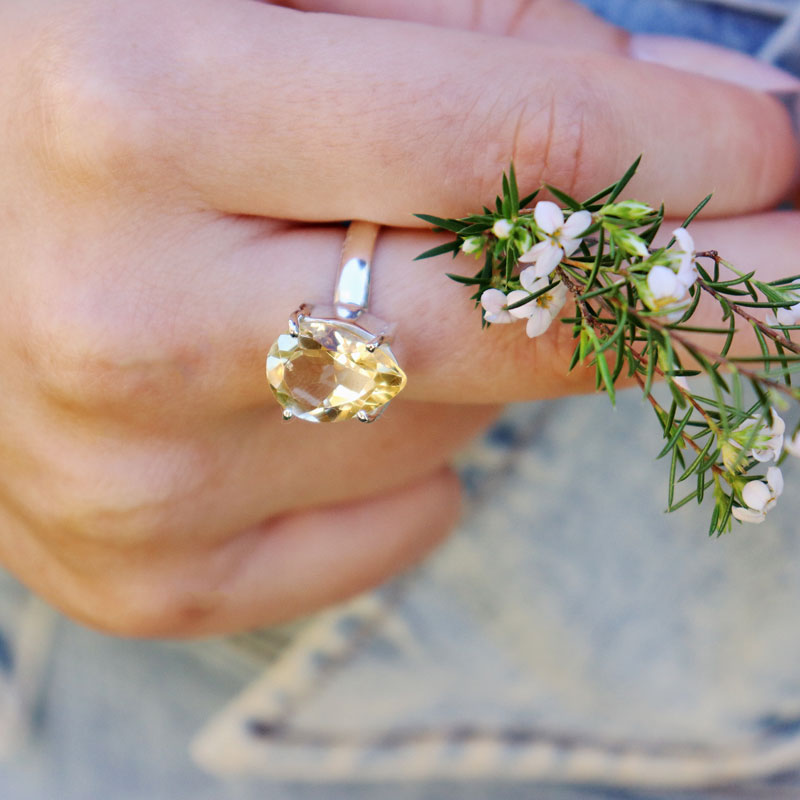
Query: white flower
{"points": [[687, 271], [668, 292], [495, 309], [561, 238], [544, 309], [792, 446], [784, 316], [473, 244], [502, 229], [768, 443], [765, 439], [760, 497]]}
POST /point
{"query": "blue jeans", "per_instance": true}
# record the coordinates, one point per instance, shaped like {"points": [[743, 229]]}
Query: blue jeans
{"points": [[650, 615]]}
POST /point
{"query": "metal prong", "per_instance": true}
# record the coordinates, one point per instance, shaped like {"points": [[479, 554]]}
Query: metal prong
{"points": [[297, 317], [375, 343], [288, 414], [371, 416]]}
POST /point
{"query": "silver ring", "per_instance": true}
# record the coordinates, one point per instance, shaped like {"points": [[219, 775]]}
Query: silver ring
{"points": [[334, 362]]}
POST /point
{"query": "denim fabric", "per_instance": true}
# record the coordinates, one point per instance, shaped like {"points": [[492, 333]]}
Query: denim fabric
{"points": [[538, 654]]}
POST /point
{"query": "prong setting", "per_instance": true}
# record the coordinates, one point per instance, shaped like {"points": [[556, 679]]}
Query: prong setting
{"points": [[380, 339], [297, 317]]}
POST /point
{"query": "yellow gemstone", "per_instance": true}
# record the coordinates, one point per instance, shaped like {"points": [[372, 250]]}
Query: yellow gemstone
{"points": [[326, 373]]}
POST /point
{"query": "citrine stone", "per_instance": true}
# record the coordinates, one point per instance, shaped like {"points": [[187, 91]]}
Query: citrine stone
{"points": [[326, 372]]}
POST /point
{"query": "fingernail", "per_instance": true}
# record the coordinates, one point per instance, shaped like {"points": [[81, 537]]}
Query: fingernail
{"points": [[713, 61]]}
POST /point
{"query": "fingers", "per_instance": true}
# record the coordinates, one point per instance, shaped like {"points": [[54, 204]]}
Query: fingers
{"points": [[298, 564], [558, 21], [319, 117], [279, 570], [439, 340], [543, 21]]}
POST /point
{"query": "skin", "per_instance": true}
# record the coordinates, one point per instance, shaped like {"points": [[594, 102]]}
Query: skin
{"points": [[170, 176]]}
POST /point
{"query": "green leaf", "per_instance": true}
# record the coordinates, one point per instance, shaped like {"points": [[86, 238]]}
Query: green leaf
{"points": [[689, 497], [453, 225], [698, 462], [528, 199], [513, 190], [624, 180], [697, 209], [576, 356], [568, 201], [677, 434], [448, 247], [467, 281]]}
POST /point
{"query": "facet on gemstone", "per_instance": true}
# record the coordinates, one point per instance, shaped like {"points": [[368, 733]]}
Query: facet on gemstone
{"points": [[326, 373]]}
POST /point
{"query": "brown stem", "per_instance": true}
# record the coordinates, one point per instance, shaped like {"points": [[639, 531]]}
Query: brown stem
{"points": [[784, 341], [642, 359], [715, 468]]}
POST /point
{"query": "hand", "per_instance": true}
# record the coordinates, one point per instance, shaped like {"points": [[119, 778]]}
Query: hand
{"points": [[161, 165]]}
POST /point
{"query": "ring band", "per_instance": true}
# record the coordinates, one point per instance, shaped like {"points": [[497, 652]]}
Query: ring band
{"points": [[351, 296], [334, 363]]}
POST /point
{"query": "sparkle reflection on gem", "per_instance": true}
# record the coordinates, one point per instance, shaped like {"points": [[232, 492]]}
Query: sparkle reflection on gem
{"points": [[326, 373]]}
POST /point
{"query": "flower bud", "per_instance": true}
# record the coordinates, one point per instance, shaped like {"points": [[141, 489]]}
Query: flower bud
{"points": [[502, 229], [630, 243], [473, 244], [628, 209]]}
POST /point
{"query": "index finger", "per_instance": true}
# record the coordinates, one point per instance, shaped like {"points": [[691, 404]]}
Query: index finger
{"points": [[267, 111]]}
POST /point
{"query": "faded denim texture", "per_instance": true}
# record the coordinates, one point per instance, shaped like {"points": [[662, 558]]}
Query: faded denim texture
{"points": [[540, 653]]}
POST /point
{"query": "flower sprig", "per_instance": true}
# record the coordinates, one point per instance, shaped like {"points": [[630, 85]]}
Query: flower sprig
{"points": [[633, 306]]}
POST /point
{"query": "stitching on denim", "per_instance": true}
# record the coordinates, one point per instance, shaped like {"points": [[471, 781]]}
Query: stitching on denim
{"points": [[785, 39]]}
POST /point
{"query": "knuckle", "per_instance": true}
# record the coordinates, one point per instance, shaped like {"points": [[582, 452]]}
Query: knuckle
{"points": [[543, 135], [88, 357], [564, 131], [87, 121]]}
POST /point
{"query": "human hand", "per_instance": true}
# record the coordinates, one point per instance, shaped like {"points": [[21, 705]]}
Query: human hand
{"points": [[160, 165]]}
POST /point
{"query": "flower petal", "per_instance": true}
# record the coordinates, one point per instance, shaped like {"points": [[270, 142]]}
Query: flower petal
{"points": [[576, 225], [748, 515], [549, 217], [663, 283], [523, 311], [558, 296], [687, 274], [569, 245], [494, 301], [549, 259], [684, 239], [533, 255], [499, 317], [529, 280], [775, 481], [539, 322], [771, 319], [786, 317], [757, 494]]}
